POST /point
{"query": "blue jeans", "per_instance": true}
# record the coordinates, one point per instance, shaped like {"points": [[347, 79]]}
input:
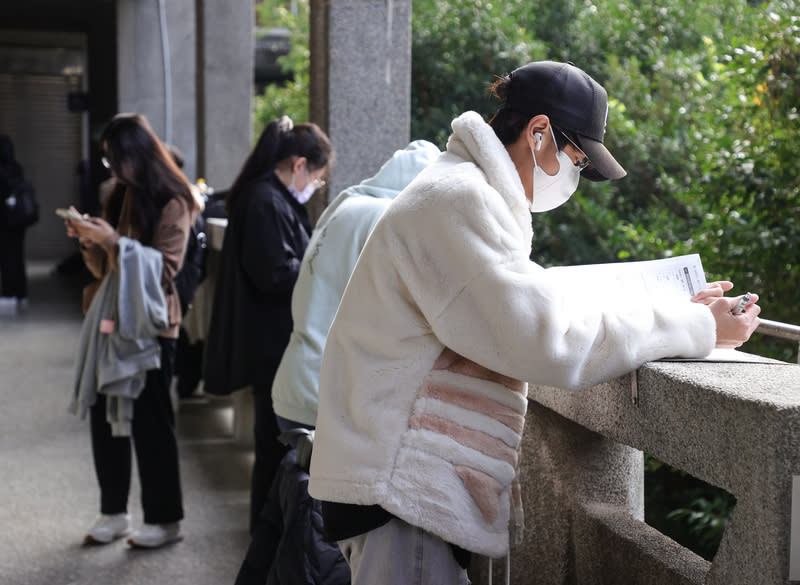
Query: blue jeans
{"points": [[400, 554]]}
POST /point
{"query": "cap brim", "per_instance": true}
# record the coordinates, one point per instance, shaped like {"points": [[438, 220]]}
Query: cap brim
{"points": [[604, 167]]}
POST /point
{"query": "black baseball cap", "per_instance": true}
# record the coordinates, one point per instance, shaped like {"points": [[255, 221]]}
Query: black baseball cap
{"points": [[574, 102]]}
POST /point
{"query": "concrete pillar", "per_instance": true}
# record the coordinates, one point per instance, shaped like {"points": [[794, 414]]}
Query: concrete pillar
{"points": [[360, 83], [225, 44], [141, 70]]}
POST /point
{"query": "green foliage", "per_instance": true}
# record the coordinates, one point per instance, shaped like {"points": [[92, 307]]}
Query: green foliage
{"points": [[702, 113], [291, 99], [706, 518], [755, 171], [268, 12], [456, 46], [685, 508]]}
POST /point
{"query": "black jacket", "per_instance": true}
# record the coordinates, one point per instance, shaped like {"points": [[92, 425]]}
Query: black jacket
{"points": [[251, 319], [288, 547]]}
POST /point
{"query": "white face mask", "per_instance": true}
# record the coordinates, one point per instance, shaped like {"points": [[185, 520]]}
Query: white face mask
{"points": [[550, 191], [302, 196]]}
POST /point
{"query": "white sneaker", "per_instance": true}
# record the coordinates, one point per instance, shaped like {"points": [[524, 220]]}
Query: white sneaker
{"points": [[108, 527], [156, 535], [8, 305]]}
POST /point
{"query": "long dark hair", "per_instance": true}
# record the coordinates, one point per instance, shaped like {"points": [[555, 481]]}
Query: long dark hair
{"points": [[143, 166], [279, 141]]}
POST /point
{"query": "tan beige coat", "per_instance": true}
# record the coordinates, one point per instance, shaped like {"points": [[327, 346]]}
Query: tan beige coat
{"points": [[170, 238]]}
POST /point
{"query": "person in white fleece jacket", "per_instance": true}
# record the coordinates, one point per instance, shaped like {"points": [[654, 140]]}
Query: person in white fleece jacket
{"points": [[444, 321]]}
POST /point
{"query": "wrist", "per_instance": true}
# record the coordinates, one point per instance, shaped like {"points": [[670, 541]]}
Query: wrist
{"points": [[110, 242]]}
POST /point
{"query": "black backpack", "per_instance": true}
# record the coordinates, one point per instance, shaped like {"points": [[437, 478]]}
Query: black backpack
{"points": [[20, 208], [193, 270]]}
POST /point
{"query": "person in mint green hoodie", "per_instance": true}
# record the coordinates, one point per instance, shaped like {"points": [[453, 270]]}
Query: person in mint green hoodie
{"points": [[284, 541], [332, 252]]}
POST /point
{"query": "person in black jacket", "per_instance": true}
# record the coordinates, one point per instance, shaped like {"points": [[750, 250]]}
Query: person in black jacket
{"points": [[13, 223], [266, 237]]}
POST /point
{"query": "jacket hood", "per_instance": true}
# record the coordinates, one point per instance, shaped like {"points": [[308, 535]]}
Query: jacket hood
{"points": [[473, 139], [395, 174]]}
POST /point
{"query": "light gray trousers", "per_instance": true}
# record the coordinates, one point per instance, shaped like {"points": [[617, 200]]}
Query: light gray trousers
{"points": [[400, 554]]}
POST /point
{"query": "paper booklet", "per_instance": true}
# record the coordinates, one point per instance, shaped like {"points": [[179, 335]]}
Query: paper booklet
{"points": [[616, 282], [729, 355], [682, 275]]}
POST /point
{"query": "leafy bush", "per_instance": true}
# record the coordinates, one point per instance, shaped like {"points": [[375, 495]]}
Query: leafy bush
{"points": [[456, 46], [685, 508], [292, 98]]}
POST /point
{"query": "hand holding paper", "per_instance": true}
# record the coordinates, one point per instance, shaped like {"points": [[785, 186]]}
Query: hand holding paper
{"points": [[679, 277], [733, 332], [714, 290]]}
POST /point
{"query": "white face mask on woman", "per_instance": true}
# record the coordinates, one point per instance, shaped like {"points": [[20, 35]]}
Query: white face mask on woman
{"points": [[302, 196], [550, 191]]}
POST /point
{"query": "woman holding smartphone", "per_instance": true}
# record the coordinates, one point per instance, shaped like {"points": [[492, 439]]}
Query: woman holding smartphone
{"points": [[153, 206]]}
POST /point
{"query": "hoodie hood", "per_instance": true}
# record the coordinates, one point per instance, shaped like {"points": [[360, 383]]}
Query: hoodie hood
{"points": [[393, 176]]}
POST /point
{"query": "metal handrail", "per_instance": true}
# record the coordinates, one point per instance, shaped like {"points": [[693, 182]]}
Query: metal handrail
{"points": [[782, 330]]}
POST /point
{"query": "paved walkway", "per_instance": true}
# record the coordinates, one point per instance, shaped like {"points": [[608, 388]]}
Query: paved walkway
{"points": [[48, 492]]}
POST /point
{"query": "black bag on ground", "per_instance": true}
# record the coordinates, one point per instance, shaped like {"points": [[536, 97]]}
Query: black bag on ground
{"points": [[193, 270]]}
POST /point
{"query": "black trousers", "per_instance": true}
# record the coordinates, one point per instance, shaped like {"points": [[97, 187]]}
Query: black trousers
{"points": [[154, 440], [268, 451], [12, 263]]}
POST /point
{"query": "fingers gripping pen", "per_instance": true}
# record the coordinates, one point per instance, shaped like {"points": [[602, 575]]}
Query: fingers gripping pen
{"points": [[741, 304]]}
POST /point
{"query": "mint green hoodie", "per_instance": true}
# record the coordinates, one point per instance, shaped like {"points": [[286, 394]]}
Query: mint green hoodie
{"points": [[329, 259]]}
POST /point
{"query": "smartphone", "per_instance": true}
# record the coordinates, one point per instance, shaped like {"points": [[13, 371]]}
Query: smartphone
{"points": [[69, 214]]}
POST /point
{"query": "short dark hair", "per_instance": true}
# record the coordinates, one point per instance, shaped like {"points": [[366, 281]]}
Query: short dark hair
{"points": [[507, 123]]}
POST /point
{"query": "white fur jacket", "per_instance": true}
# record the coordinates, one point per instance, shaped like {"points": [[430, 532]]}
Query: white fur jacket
{"points": [[445, 317]]}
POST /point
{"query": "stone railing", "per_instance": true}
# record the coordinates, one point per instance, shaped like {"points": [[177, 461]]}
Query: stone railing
{"points": [[733, 425]]}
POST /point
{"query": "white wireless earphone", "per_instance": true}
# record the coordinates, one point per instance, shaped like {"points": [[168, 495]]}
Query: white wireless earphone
{"points": [[538, 137]]}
